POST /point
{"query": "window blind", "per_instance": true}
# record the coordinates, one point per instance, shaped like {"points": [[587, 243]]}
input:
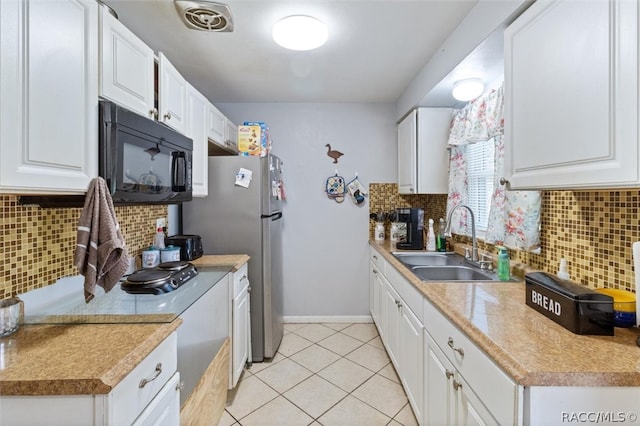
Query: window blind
{"points": [[480, 179]]}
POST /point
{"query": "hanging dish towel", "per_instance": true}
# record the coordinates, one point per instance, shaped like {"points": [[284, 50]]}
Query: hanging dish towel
{"points": [[336, 188], [100, 254]]}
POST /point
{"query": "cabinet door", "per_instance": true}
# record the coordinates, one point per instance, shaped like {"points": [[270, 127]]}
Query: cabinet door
{"points": [[230, 135], [411, 359], [126, 66], [196, 129], [376, 285], [240, 324], [172, 95], [164, 409], [407, 152], [438, 395], [49, 102], [240, 347], [571, 95], [391, 307], [469, 408], [432, 157], [217, 122]]}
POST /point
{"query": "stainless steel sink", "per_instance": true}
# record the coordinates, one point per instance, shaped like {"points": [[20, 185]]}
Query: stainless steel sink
{"points": [[452, 273], [429, 259], [443, 267]]}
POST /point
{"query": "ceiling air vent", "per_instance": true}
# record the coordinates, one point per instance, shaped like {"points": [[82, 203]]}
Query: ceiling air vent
{"points": [[205, 15]]}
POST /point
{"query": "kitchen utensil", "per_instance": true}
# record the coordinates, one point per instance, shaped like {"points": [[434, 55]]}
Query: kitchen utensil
{"points": [[9, 316]]}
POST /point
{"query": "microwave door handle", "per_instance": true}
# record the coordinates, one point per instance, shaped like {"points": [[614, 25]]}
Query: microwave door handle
{"points": [[178, 157]]}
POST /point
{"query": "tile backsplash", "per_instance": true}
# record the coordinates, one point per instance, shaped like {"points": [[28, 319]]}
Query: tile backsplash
{"points": [[593, 230], [37, 244]]}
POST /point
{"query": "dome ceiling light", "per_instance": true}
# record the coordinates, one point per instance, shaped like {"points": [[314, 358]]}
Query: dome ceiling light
{"points": [[468, 89], [300, 32]]}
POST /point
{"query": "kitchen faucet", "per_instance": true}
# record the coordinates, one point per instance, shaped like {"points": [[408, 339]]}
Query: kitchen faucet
{"points": [[474, 242]]}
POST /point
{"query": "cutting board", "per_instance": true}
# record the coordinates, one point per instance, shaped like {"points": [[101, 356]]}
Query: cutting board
{"points": [[636, 269]]}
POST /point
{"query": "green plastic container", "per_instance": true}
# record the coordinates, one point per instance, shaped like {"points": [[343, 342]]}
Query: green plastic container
{"points": [[503, 264]]}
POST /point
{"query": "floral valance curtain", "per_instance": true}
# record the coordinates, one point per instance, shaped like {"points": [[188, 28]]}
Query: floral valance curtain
{"points": [[514, 216]]}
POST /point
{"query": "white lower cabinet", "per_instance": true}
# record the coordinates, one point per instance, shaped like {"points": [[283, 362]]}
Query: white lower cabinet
{"points": [[449, 400], [148, 395], [377, 284], [400, 329], [240, 324], [483, 393]]}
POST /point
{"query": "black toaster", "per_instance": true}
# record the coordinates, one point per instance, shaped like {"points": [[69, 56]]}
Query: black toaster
{"points": [[190, 245]]}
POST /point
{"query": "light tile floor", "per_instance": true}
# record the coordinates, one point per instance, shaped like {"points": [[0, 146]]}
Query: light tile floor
{"points": [[323, 374]]}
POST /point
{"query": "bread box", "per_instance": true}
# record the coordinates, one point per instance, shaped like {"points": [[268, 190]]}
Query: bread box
{"points": [[573, 306]]}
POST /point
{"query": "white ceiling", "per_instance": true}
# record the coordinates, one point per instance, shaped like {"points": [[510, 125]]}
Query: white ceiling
{"points": [[375, 47]]}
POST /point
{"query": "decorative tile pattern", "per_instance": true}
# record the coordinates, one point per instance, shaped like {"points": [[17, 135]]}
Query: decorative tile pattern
{"points": [[593, 230], [37, 244]]}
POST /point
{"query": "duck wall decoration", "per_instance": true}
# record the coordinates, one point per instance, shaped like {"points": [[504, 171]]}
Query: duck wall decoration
{"points": [[333, 153]]}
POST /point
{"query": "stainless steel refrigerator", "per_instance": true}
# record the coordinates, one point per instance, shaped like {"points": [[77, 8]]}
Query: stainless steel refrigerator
{"points": [[235, 219]]}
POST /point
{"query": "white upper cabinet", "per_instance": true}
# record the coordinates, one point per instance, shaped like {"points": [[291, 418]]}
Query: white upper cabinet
{"points": [[423, 159], [126, 67], [571, 96], [49, 102], [172, 96], [216, 125], [196, 129], [230, 136]]}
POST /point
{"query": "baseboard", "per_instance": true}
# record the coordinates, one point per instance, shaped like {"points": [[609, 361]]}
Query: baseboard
{"points": [[327, 319]]}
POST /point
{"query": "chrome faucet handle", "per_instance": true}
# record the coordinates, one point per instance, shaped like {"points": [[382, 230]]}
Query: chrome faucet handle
{"points": [[486, 262], [467, 253]]}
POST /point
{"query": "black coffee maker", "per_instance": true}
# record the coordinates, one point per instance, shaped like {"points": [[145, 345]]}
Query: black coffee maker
{"points": [[414, 219]]}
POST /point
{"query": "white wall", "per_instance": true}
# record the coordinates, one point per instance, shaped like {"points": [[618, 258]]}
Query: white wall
{"points": [[326, 243]]}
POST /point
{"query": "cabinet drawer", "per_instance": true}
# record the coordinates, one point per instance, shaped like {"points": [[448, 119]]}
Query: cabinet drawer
{"points": [[129, 397], [407, 291], [496, 390], [377, 259], [240, 280]]}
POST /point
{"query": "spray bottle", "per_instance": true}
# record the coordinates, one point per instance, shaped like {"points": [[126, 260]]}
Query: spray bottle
{"points": [[431, 237]]}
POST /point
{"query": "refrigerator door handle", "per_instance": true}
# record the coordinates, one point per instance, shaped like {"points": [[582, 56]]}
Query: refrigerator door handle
{"points": [[273, 216]]}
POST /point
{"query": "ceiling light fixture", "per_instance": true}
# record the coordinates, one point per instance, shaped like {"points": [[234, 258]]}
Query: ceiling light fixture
{"points": [[300, 32], [468, 89]]}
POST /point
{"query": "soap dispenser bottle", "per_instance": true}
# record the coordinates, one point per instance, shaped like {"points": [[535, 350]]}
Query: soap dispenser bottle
{"points": [[503, 264], [441, 239], [431, 237]]}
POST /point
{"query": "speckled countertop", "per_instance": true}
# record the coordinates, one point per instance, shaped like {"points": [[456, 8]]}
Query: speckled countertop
{"points": [[82, 359], [531, 348]]}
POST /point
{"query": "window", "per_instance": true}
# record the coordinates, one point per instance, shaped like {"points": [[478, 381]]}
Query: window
{"points": [[480, 179]]}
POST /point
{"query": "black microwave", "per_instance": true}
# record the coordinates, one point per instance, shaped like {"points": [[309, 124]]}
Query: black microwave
{"points": [[142, 160]]}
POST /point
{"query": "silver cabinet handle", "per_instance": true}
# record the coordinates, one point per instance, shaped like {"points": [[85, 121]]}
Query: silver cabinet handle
{"points": [[243, 278], [448, 373], [375, 257], [157, 372], [180, 386], [168, 115], [459, 350], [153, 112], [456, 385]]}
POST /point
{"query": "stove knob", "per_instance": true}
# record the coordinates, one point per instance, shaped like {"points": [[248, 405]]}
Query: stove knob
{"points": [[174, 283]]}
